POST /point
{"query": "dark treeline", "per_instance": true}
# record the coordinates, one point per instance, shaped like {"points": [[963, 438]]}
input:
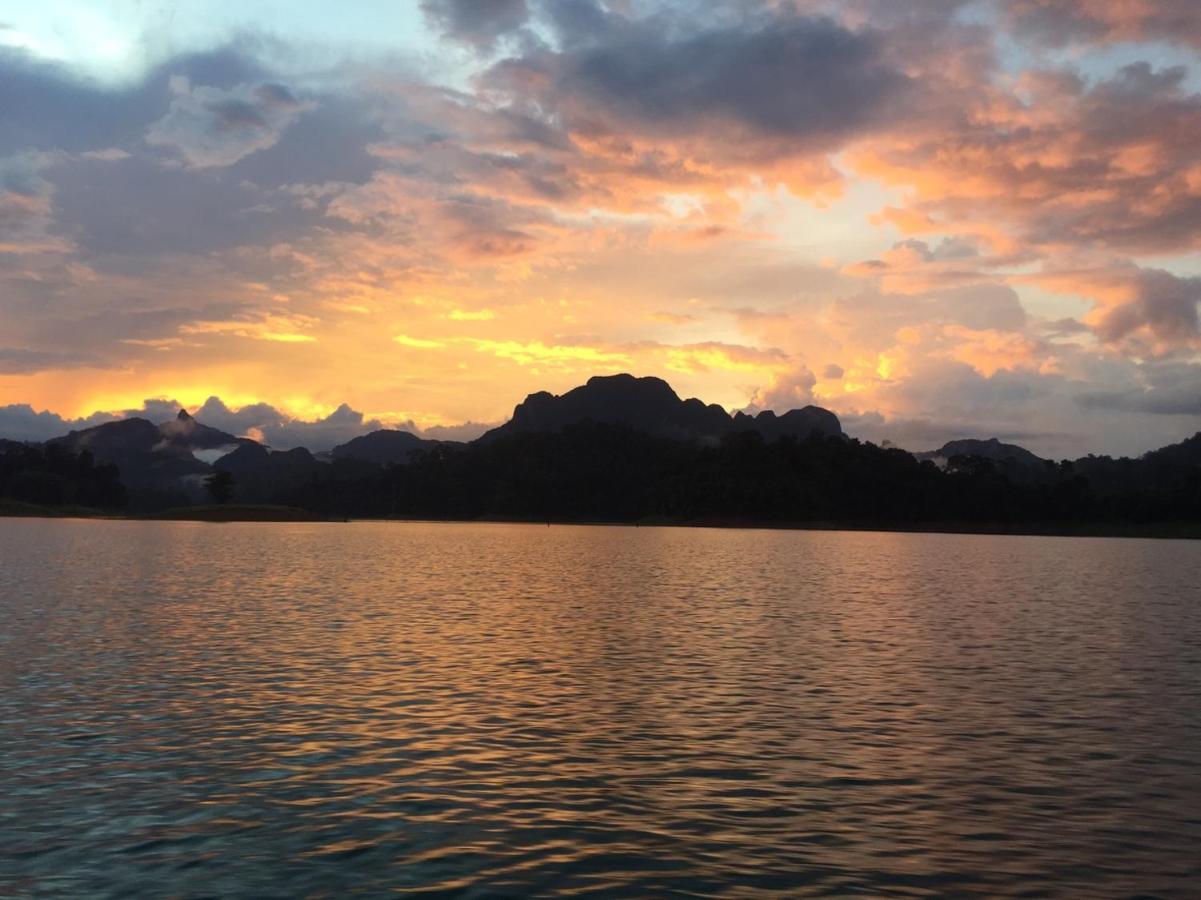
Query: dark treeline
{"points": [[611, 473], [49, 475], [591, 472]]}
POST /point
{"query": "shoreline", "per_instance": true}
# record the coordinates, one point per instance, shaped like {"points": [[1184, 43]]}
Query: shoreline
{"points": [[271, 514]]}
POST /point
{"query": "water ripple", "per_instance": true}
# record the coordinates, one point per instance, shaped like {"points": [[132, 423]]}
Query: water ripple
{"points": [[508, 711]]}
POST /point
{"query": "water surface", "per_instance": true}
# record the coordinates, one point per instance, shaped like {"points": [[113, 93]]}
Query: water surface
{"points": [[505, 710]]}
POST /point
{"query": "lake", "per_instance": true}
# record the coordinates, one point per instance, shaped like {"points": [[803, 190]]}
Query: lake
{"points": [[485, 710]]}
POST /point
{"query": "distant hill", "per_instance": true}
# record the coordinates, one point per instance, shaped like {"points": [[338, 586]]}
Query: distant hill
{"points": [[649, 405], [1187, 454], [986, 449], [260, 474], [156, 470], [156, 462], [180, 437], [384, 447], [801, 423]]}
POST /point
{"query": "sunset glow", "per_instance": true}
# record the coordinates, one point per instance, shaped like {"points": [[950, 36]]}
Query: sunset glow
{"points": [[938, 219]]}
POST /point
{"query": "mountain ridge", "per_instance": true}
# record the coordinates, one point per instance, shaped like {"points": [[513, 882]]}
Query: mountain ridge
{"points": [[614, 448], [650, 405]]}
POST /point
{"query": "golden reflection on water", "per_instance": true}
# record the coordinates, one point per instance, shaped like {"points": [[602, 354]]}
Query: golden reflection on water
{"points": [[498, 708]]}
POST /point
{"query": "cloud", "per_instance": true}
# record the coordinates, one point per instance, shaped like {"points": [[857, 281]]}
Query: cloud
{"points": [[261, 421], [790, 390], [210, 127], [282, 431], [1060, 22], [23, 360], [477, 22], [1150, 310], [468, 431], [1165, 389], [20, 422], [1161, 303], [537, 353], [777, 88], [1003, 225], [418, 343], [26, 206], [1059, 164], [259, 326]]}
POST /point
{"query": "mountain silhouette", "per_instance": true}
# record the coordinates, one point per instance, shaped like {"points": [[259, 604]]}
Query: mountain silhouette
{"points": [[185, 431], [649, 405], [156, 468], [156, 462], [992, 449], [260, 473], [383, 447], [621, 449]]}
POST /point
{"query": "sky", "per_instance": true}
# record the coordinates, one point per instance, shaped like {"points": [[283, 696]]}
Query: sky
{"points": [[938, 218]]}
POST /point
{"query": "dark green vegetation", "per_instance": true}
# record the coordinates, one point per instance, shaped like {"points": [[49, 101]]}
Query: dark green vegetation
{"points": [[595, 472], [51, 476], [615, 450]]}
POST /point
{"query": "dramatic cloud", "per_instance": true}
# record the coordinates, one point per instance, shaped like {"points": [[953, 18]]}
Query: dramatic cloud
{"points": [[1058, 164], [1153, 310], [931, 217]]}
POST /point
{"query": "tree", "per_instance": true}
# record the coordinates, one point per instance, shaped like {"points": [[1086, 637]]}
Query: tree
{"points": [[220, 486]]}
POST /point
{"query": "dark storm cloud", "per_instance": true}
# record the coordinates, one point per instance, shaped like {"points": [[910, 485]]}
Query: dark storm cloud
{"points": [[809, 81], [478, 22]]}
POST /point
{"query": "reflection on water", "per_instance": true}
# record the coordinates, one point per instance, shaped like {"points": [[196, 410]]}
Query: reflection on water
{"points": [[501, 710]]}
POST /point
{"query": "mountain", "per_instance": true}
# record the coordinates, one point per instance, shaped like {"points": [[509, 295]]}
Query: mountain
{"points": [[179, 437], [622, 449], [158, 463], [184, 431], [1186, 454], [156, 470], [383, 447], [799, 423], [990, 449], [649, 405], [260, 474]]}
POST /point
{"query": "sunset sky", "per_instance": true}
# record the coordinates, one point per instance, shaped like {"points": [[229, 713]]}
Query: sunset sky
{"points": [[938, 219]]}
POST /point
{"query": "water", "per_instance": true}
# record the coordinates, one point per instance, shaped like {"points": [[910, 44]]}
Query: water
{"points": [[507, 710]]}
